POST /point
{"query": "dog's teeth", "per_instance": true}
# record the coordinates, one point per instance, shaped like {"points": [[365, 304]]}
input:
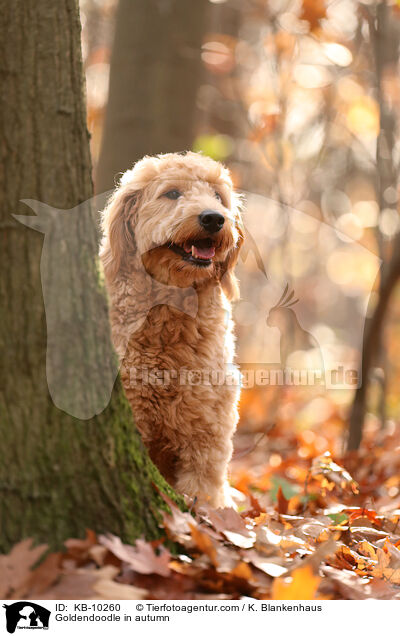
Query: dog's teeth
{"points": [[193, 250]]}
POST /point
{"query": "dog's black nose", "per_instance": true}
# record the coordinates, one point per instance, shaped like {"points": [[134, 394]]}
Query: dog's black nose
{"points": [[211, 221]]}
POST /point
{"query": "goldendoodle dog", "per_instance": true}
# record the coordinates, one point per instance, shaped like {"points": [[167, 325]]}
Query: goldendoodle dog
{"points": [[174, 223]]}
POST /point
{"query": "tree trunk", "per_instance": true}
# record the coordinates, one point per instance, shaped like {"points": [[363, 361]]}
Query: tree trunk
{"points": [[154, 78], [58, 474], [385, 38], [372, 335]]}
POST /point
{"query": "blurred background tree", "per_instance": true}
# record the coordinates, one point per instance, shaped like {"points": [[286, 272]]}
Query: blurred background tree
{"points": [[155, 74]]}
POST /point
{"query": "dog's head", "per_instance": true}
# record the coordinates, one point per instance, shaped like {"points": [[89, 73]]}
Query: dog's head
{"points": [[179, 213]]}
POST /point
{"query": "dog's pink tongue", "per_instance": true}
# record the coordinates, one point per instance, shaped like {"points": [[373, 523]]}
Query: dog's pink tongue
{"points": [[203, 252]]}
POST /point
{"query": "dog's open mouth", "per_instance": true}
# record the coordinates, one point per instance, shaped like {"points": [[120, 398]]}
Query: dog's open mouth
{"points": [[197, 251]]}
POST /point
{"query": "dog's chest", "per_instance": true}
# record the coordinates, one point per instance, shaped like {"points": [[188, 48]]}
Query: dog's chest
{"points": [[175, 340]]}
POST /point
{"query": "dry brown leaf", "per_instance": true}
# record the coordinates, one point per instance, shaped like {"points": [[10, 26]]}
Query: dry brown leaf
{"points": [[15, 568], [366, 549], [388, 566], [240, 540], [45, 575], [361, 533], [232, 526], [141, 557], [273, 567], [78, 549], [177, 523], [282, 502], [109, 590], [349, 584], [77, 584], [325, 469], [205, 544], [98, 554], [242, 571], [313, 11], [107, 572]]}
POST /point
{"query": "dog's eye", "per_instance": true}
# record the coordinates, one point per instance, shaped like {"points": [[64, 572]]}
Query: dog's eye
{"points": [[172, 194], [218, 196]]}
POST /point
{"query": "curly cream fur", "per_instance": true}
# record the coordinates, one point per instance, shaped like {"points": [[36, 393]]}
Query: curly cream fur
{"points": [[188, 429]]}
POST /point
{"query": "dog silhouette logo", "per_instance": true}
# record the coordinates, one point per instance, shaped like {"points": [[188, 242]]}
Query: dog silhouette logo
{"points": [[26, 615], [76, 385]]}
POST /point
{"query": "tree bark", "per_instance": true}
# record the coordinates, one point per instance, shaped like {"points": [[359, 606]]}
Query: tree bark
{"points": [[58, 474], [154, 77]]}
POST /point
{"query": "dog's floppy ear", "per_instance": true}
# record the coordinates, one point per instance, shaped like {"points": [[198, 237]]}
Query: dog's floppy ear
{"points": [[118, 220], [228, 279]]}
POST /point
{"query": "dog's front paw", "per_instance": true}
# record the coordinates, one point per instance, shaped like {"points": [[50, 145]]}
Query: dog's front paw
{"points": [[222, 498], [217, 497]]}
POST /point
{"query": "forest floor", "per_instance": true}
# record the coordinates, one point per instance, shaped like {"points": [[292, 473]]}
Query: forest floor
{"points": [[313, 523]]}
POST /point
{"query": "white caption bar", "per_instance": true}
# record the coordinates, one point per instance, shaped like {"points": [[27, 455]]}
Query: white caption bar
{"points": [[177, 617]]}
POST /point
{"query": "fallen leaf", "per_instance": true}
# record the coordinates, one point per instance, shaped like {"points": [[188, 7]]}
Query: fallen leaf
{"points": [[45, 575], [232, 526], [272, 567], [324, 467], [242, 571], [78, 549], [15, 567], [282, 503], [141, 557], [77, 584], [302, 584], [205, 544], [366, 549], [106, 589], [313, 11]]}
